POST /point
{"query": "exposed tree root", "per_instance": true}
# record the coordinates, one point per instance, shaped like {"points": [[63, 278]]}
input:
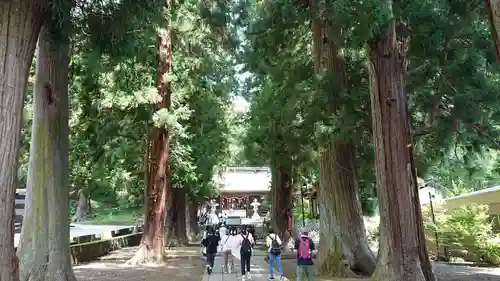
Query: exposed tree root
{"points": [[192, 236], [146, 254], [177, 241], [365, 263], [171, 242], [37, 272], [385, 273], [183, 242], [334, 265], [60, 275]]}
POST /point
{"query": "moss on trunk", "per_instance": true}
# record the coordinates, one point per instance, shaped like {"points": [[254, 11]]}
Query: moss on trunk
{"points": [[344, 250]]}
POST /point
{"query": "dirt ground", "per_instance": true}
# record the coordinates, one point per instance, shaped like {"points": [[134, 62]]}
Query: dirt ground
{"points": [[184, 263], [443, 271]]}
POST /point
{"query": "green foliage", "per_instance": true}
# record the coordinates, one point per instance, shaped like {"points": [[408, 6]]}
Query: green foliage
{"points": [[262, 50], [112, 89], [280, 121], [452, 82], [454, 177], [465, 228], [204, 80], [297, 211], [455, 83]]}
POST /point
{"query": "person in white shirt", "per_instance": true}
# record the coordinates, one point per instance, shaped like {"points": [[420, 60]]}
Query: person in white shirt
{"points": [[222, 230], [228, 245], [274, 248]]}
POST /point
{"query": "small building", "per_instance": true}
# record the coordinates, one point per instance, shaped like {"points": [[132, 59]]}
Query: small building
{"points": [[242, 186], [489, 196]]}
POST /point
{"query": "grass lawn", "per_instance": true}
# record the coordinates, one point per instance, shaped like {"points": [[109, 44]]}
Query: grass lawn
{"points": [[102, 214]]}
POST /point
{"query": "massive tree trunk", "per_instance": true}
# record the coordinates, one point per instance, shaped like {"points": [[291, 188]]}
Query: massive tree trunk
{"points": [[192, 220], [152, 244], [20, 23], [181, 231], [400, 255], [176, 219], [344, 250], [281, 196], [44, 249]]}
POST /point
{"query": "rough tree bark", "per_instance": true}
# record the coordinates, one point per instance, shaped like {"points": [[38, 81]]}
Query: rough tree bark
{"points": [[344, 250], [181, 231], [44, 250], [281, 199], [192, 220], [345, 253], [400, 255], [152, 244], [176, 220], [20, 23]]}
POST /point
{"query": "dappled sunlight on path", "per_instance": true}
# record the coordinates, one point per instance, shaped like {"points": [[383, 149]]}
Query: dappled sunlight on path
{"points": [[112, 267], [443, 271]]}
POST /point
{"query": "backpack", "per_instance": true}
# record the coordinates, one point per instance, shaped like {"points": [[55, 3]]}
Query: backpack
{"points": [[210, 241], [275, 247], [304, 249], [246, 246]]}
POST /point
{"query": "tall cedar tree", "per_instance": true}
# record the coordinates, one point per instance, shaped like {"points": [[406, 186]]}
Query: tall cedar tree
{"points": [[345, 251], [20, 23], [152, 244], [402, 254], [44, 250]]}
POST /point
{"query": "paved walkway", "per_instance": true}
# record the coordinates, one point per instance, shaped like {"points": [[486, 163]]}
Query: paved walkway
{"points": [[258, 268]]}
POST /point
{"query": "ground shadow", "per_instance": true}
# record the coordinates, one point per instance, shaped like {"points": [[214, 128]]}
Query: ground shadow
{"points": [[183, 264], [443, 271]]}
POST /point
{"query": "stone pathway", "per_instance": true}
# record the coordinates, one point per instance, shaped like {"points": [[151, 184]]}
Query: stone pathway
{"points": [[258, 268]]}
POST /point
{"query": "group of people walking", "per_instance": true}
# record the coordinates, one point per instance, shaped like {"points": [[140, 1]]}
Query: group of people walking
{"points": [[229, 241]]}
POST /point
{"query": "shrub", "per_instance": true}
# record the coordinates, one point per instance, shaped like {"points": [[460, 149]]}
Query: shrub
{"points": [[490, 252], [466, 229]]}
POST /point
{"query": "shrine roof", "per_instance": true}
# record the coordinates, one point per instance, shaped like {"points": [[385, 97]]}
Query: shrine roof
{"points": [[245, 179]]}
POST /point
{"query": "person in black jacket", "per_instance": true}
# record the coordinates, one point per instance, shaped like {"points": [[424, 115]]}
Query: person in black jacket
{"points": [[245, 243], [211, 242]]}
